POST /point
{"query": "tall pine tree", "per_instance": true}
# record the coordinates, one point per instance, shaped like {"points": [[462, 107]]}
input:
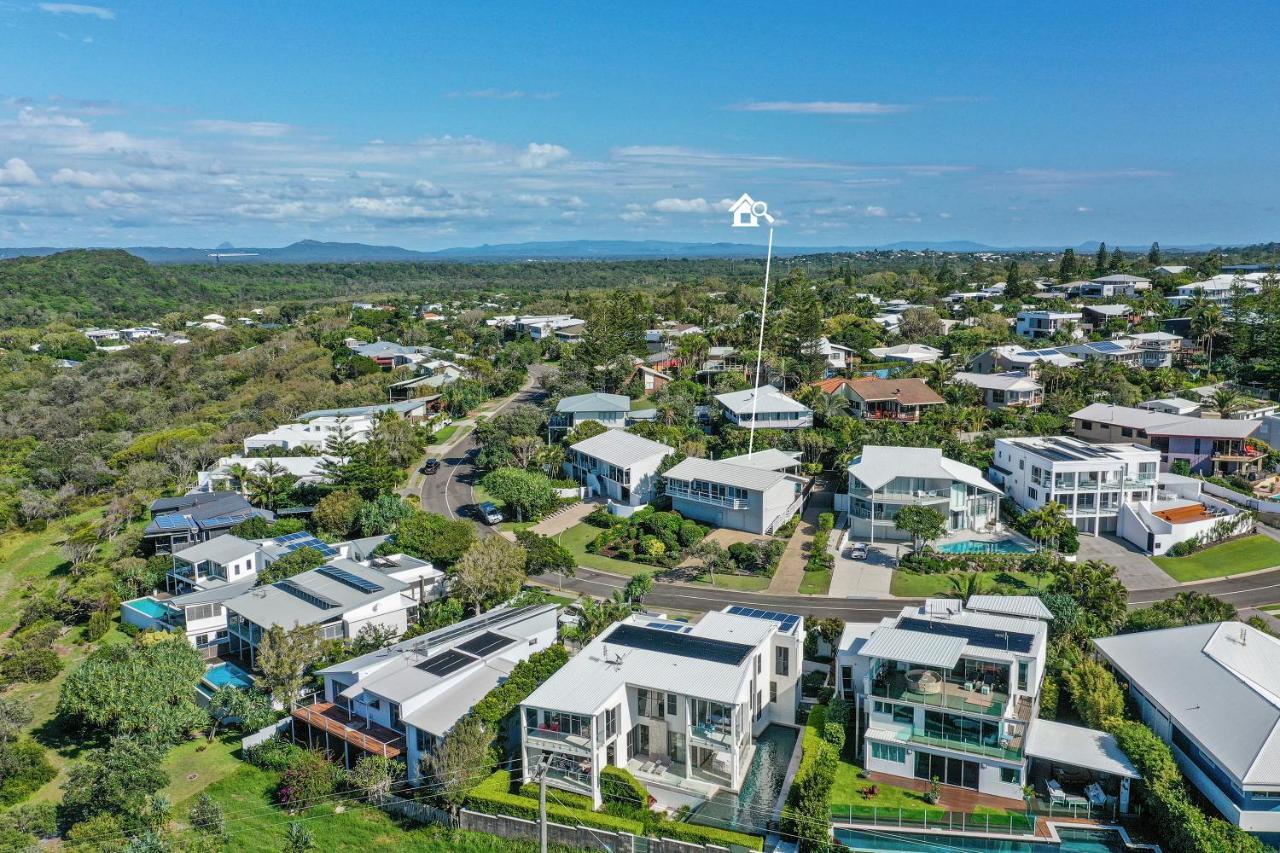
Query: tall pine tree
{"points": [[1153, 255], [1100, 262], [1069, 266]]}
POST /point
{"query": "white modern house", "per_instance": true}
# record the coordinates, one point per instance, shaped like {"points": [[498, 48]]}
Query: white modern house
{"points": [[1117, 284], [1180, 406], [882, 480], [1159, 349], [948, 691], [619, 466], [1212, 692], [1091, 481], [678, 705], [1045, 324], [401, 701], [910, 353], [609, 410], [1179, 512], [839, 358], [766, 407], [312, 435], [1014, 388], [222, 474], [738, 496]]}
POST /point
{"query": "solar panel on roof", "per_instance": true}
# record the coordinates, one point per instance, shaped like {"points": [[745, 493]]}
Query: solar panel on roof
{"points": [[665, 626], [298, 541], [445, 663], [312, 598], [485, 644], [683, 645], [786, 620], [986, 638], [1108, 346], [229, 518], [172, 522], [352, 580], [292, 537]]}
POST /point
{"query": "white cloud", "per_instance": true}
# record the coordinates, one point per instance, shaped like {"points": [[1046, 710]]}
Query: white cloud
{"points": [[87, 180], [944, 215], [100, 12], [241, 128], [541, 155], [16, 173], [875, 210], [1083, 209], [844, 108], [682, 205]]}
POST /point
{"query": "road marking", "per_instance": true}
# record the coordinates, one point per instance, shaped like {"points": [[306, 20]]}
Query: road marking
{"points": [[1220, 594]]}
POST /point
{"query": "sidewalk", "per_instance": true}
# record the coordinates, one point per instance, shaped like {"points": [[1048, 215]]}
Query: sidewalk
{"points": [[570, 516], [786, 580]]}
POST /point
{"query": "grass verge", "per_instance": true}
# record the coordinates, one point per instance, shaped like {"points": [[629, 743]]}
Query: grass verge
{"points": [[576, 538], [913, 585], [1248, 554], [816, 583]]}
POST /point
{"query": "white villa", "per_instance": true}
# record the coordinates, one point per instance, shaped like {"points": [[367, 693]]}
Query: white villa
{"points": [[1003, 390], [911, 353], [1046, 324], [725, 493], [766, 407], [618, 465], [882, 480], [312, 435], [678, 705], [1092, 481], [609, 410]]}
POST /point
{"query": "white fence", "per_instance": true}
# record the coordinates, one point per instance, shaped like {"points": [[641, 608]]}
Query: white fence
{"points": [[1256, 504], [265, 733]]}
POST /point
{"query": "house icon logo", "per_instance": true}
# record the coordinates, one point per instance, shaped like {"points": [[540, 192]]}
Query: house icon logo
{"points": [[747, 212]]}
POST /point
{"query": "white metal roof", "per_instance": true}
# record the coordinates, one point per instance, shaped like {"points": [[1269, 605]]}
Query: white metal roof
{"points": [[1076, 746], [725, 473], [878, 465], [932, 650], [442, 713], [769, 459], [1010, 605], [1220, 683], [595, 402], [1014, 380], [767, 399], [621, 448]]}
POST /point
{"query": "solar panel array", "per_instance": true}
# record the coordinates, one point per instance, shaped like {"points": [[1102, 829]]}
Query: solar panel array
{"points": [[485, 644], [445, 663], [312, 598], [985, 638], [667, 626], [683, 645], [173, 521], [352, 580], [228, 519], [1041, 352], [788, 620], [1108, 346], [296, 541]]}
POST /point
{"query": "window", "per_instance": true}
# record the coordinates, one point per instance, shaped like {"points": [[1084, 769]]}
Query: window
{"points": [[885, 752], [642, 702], [672, 703], [395, 715], [758, 664], [846, 679], [783, 663], [1032, 493], [773, 691], [1023, 666], [1011, 775], [610, 722]]}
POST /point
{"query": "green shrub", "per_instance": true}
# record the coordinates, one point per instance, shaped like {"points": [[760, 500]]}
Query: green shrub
{"points": [[833, 733], [24, 769], [617, 785], [275, 753], [98, 626], [806, 815], [826, 521], [494, 796], [309, 777]]}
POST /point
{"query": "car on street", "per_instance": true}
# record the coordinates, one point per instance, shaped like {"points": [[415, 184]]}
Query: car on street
{"points": [[431, 466], [489, 512]]}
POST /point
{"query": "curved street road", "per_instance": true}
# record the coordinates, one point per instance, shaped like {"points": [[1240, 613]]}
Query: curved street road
{"points": [[449, 492]]}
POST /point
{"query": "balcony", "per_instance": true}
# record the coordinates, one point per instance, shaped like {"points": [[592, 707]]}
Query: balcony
{"points": [[955, 693], [545, 737], [1007, 749], [357, 731], [676, 489], [718, 736]]}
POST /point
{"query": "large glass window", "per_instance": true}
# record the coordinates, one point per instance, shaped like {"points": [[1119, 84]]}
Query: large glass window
{"points": [[846, 679], [886, 752], [783, 660]]}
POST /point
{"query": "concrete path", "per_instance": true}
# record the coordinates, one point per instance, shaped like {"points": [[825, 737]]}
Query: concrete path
{"points": [[1135, 568], [786, 580], [568, 517]]}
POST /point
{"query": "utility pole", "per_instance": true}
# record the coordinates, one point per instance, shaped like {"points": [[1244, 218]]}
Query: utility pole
{"points": [[544, 764]]}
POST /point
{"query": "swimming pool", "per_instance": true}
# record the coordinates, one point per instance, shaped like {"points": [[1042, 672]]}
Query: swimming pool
{"points": [[977, 546], [752, 808], [149, 606], [1073, 841], [227, 673]]}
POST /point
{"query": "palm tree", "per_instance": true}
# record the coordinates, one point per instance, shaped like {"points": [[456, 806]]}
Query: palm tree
{"points": [[1047, 523], [1225, 401], [937, 373], [1207, 324], [967, 584], [268, 484]]}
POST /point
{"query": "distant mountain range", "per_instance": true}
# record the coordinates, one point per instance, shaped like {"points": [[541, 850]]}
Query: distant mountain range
{"points": [[319, 252]]}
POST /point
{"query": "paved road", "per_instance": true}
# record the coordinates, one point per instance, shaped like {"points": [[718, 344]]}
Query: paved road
{"points": [[449, 490], [1253, 590]]}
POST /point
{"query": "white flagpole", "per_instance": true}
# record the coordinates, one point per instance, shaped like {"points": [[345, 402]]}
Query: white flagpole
{"points": [[764, 304]]}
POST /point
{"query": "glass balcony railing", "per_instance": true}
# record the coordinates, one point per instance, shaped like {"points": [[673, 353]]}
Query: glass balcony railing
{"points": [[953, 693], [1006, 749], [558, 740]]}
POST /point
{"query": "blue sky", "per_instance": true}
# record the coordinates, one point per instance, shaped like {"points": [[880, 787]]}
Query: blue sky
{"points": [[435, 124]]}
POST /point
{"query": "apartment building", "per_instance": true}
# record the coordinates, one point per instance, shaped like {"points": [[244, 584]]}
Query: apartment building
{"points": [[678, 705], [1091, 481]]}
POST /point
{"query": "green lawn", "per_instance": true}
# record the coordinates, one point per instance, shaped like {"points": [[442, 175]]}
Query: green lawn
{"points": [[255, 825], [816, 583], [847, 798], [197, 764], [1230, 558], [913, 585], [444, 434], [742, 583], [576, 538], [642, 403]]}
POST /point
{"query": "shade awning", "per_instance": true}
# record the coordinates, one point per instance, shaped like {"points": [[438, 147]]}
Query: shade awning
{"points": [[917, 647], [1076, 746]]}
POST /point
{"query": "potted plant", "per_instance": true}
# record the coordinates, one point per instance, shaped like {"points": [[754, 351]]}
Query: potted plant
{"points": [[934, 795]]}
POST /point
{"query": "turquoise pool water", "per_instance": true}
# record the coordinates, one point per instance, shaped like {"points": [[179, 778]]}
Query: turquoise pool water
{"points": [[149, 606], [227, 673], [1073, 841], [973, 546], [750, 810]]}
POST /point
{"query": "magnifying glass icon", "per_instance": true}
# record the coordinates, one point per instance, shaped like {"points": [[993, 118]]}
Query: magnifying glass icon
{"points": [[761, 209]]}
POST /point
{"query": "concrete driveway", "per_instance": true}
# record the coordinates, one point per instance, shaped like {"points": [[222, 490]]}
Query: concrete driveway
{"points": [[1135, 568], [869, 578]]}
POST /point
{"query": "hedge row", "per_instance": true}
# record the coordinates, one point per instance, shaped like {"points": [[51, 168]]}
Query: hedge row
{"points": [[806, 815], [526, 677], [494, 796]]}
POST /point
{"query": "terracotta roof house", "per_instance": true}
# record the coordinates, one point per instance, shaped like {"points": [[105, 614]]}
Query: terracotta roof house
{"points": [[884, 399]]}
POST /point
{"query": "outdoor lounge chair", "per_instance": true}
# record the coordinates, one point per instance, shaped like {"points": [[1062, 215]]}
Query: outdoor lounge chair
{"points": [[1056, 794]]}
